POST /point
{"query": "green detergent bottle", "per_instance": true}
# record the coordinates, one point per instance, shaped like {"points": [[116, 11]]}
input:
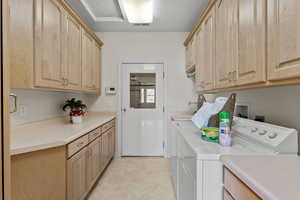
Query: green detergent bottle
{"points": [[225, 132]]}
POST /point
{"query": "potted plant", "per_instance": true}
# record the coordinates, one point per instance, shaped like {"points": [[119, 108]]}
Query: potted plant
{"points": [[77, 110]]}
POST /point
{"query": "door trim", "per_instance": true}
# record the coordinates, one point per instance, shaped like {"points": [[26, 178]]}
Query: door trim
{"points": [[120, 102]]}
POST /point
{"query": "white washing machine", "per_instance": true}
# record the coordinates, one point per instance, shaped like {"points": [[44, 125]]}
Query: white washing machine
{"points": [[197, 172]]}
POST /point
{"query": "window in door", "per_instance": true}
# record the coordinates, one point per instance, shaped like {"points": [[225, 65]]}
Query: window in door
{"points": [[143, 90]]}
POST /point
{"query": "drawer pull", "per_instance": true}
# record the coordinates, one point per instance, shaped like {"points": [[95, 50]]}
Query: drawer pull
{"points": [[95, 134], [80, 144]]}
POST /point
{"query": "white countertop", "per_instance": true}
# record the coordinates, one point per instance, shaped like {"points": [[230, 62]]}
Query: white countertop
{"points": [[271, 177], [53, 132]]}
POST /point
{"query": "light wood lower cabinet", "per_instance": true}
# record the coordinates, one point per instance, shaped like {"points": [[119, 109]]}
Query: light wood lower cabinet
{"points": [[235, 189], [93, 160], [63, 173], [77, 176]]}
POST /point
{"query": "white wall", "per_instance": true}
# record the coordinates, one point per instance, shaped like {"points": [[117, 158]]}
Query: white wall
{"points": [[152, 47], [40, 105], [160, 47], [279, 105]]}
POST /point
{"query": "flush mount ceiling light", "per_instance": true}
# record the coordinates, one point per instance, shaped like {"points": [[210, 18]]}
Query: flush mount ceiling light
{"points": [[139, 11]]}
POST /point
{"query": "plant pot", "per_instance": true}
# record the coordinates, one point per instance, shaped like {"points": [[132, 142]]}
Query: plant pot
{"points": [[77, 119]]}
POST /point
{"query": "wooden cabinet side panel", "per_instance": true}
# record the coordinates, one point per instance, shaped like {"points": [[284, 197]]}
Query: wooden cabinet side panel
{"points": [[39, 175], [5, 89]]}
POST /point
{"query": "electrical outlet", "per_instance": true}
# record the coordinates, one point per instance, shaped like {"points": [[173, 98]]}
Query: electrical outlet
{"points": [[22, 110]]}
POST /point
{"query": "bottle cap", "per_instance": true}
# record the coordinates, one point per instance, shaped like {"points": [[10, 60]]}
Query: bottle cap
{"points": [[224, 115]]}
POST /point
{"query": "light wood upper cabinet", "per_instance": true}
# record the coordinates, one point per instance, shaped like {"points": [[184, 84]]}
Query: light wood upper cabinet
{"points": [[87, 61], [191, 54], [49, 16], [73, 76], [283, 39], [209, 27], [96, 70], [77, 176], [200, 65], [252, 42], [205, 51], [48, 50], [226, 43]]}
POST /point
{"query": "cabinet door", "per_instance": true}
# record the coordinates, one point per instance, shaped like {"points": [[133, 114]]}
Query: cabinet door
{"points": [[283, 39], [77, 166], [93, 165], [49, 16], [87, 61], [96, 70], [111, 142], [209, 50], [252, 40], [200, 71], [73, 80], [101, 154], [226, 43], [105, 149]]}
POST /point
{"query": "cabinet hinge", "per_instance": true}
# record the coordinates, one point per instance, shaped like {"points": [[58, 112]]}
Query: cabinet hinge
{"points": [[164, 75], [163, 108]]}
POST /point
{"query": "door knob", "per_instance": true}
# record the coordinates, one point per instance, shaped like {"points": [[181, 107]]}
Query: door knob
{"points": [[124, 109]]}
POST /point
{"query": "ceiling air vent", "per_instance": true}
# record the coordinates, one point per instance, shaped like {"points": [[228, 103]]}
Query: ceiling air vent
{"points": [[142, 24]]}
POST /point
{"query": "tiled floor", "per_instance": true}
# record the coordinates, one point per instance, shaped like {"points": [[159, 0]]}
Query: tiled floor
{"points": [[135, 179]]}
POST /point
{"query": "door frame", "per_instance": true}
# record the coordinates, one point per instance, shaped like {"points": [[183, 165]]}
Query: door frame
{"points": [[120, 102], [4, 111]]}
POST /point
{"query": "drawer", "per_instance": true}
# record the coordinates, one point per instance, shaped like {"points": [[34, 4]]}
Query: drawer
{"points": [[236, 188], [94, 134], [77, 145], [108, 125]]}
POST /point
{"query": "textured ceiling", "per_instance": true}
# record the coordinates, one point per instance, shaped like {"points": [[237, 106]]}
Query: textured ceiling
{"points": [[169, 15]]}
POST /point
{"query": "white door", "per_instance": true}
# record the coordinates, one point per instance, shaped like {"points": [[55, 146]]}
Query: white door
{"points": [[142, 110]]}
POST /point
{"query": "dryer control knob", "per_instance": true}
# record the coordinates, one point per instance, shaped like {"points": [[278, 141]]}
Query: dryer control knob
{"points": [[272, 135], [254, 130], [264, 132]]}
